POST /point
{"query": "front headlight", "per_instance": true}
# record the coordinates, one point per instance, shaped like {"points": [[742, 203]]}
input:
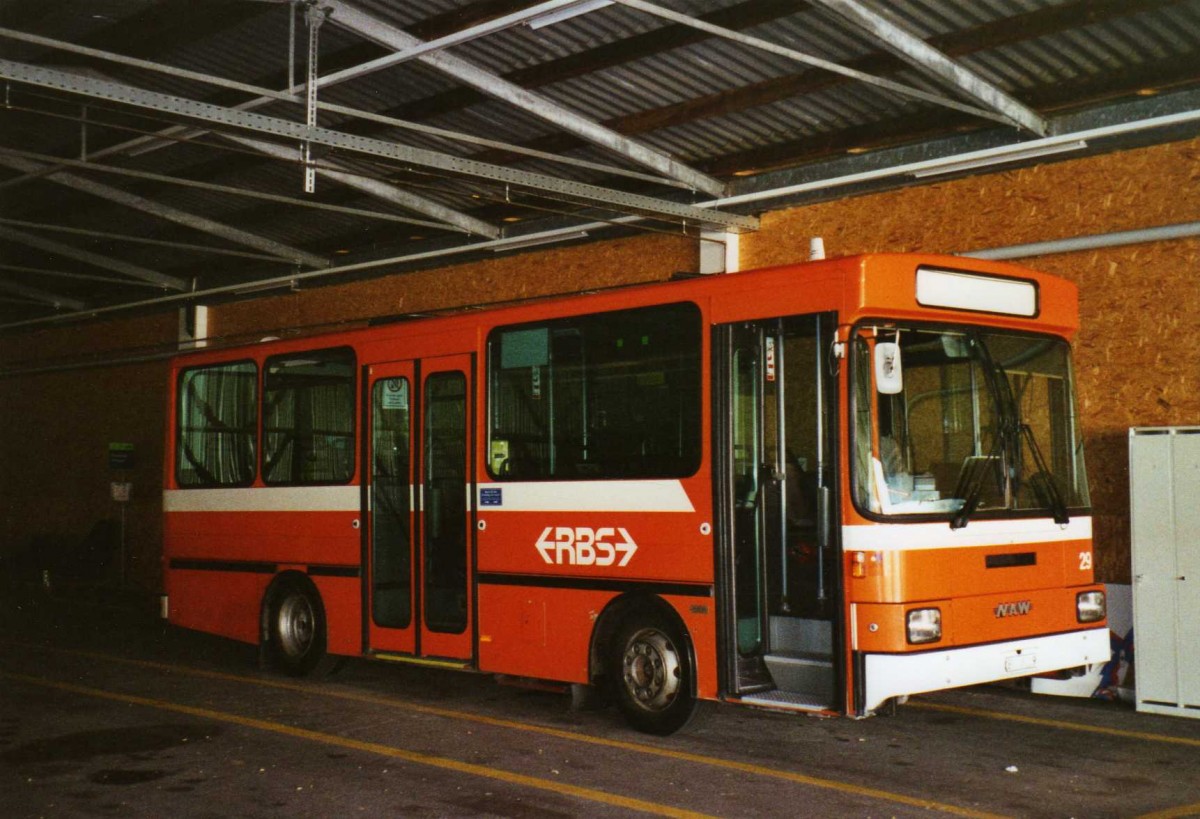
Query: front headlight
{"points": [[1090, 606], [924, 626]]}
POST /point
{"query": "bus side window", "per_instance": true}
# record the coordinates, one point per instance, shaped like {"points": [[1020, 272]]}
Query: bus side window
{"points": [[308, 417], [215, 427], [612, 395]]}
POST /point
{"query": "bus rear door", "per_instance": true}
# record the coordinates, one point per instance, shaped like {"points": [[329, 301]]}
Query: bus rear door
{"points": [[419, 515]]}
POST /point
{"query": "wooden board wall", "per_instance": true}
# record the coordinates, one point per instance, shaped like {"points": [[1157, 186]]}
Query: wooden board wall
{"points": [[55, 429], [1136, 365], [504, 278]]}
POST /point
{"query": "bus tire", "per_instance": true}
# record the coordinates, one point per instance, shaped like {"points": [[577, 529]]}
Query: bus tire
{"points": [[296, 631], [653, 674]]}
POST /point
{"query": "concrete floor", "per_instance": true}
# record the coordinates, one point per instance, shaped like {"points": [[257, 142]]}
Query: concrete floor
{"points": [[104, 711]]}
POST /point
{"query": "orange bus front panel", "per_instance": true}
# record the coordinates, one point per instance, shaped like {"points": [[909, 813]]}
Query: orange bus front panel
{"points": [[924, 574], [896, 563], [882, 627]]}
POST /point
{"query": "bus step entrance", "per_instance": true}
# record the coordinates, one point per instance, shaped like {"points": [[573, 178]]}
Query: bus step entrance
{"points": [[753, 676], [802, 673], [783, 699]]}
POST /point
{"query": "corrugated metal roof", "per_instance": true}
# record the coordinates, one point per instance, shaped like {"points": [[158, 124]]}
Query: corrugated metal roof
{"points": [[717, 105]]}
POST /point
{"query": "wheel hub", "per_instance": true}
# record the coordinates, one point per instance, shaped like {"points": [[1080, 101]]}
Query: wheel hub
{"points": [[650, 667], [296, 619]]}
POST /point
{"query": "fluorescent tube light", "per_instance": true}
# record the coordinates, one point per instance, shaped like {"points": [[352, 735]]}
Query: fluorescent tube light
{"points": [[994, 157], [517, 243]]}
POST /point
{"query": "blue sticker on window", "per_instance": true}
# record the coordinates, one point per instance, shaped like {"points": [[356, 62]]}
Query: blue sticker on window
{"points": [[491, 497]]}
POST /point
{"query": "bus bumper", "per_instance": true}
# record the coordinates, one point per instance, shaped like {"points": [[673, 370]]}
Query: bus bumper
{"points": [[895, 675]]}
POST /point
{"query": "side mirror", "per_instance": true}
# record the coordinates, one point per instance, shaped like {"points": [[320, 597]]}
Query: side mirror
{"points": [[889, 373]]}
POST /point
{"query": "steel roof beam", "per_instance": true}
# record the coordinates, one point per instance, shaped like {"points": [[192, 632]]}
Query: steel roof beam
{"points": [[140, 240], [263, 96], [210, 186], [376, 188], [824, 184], [83, 277], [168, 213], [95, 259], [1179, 70], [917, 52], [419, 48], [808, 59], [374, 29], [214, 114], [42, 297]]}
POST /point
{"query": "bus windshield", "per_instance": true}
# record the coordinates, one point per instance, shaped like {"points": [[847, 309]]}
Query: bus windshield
{"points": [[977, 423]]}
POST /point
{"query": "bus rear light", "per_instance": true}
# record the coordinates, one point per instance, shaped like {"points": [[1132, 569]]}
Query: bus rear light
{"points": [[1090, 606], [858, 564], [924, 626]]}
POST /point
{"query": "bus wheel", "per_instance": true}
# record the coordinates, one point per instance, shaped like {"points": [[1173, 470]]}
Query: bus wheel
{"points": [[297, 628], [653, 676]]}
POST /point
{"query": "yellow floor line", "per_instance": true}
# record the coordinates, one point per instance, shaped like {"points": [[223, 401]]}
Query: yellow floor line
{"points": [[572, 736], [1053, 723], [368, 747]]}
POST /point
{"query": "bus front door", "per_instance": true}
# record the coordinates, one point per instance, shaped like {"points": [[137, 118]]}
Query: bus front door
{"points": [[775, 469], [419, 538]]}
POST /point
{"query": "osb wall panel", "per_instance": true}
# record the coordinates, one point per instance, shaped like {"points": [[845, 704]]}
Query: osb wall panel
{"points": [[45, 346], [55, 428], [1123, 191], [507, 277], [54, 470], [1134, 364], [1136, 367]]}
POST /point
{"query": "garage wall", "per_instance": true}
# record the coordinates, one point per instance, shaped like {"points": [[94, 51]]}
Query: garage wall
{"points": [[1134, 357], [507, 277], [1136, 365], [55, 429]]}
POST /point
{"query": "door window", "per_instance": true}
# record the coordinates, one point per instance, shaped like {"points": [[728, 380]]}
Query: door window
{"points": [[446, 502], [391, 470]]}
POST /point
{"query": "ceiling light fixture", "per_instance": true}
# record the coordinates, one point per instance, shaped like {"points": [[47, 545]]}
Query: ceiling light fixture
{"points": [[1017, 154], [518, 243], [264, 286]]}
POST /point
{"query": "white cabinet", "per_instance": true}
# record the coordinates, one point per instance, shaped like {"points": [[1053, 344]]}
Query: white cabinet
{"points": [[1164, 479]]}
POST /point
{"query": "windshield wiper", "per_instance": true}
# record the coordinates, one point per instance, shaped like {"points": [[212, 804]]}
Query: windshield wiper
{"points": [[1045, 489], [1011, 431]]}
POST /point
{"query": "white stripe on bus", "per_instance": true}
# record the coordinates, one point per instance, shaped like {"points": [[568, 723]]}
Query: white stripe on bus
{"points": [[586, 496], [540, 496], [264, 499], [903, 537]]}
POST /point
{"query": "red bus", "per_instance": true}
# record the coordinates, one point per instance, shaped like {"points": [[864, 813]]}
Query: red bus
{"points": [[819, 487]]}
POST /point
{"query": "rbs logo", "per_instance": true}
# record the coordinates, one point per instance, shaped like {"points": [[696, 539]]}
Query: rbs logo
{"points": [[585, 546]]}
